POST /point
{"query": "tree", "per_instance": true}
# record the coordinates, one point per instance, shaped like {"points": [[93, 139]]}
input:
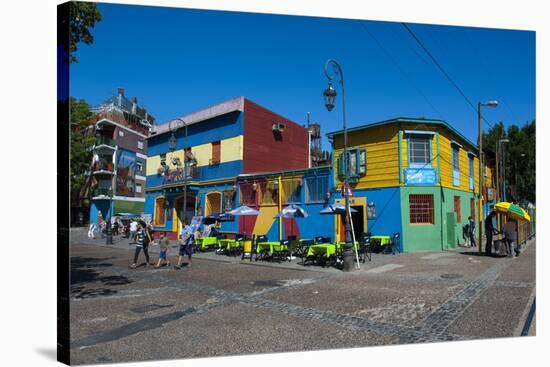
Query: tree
{"points": [[82, 139], [83, 17], [519, 160]]}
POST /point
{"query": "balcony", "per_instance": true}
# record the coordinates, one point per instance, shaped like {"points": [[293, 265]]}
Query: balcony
{"points": [[102, 193], [103, 168], [104, 145], [177, 175]]}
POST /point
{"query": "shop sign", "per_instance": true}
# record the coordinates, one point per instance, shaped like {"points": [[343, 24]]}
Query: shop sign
{"points": [[420, 176]]}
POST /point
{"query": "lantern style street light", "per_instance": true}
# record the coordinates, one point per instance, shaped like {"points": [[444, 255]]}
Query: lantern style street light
{"points": [[330, 96], [481, 183]]}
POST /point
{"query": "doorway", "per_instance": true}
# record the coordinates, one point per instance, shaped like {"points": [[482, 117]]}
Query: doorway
{"points": [[357, 222], [185, 213]]}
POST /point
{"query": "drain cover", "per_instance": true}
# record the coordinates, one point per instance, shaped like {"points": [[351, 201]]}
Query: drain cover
{"points": [[451, 276], [269, 283], [148, 308]]}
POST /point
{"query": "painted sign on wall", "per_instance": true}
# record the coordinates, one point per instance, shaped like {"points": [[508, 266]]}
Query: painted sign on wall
{"points": [[125, 173], [420, 176]]}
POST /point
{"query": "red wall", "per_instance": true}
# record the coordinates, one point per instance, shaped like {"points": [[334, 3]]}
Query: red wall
{"points": [[263, 152]]}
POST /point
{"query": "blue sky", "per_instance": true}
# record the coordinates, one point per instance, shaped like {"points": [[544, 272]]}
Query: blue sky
{"points": [[176, 61]]}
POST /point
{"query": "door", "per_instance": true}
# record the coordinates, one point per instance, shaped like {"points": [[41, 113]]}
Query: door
{"points": [[358, 220]]}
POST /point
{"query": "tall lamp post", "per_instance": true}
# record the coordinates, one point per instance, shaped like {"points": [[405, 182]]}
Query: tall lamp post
{"points": [[503, 163], [330, 96], [480, 132], [172, 146]]}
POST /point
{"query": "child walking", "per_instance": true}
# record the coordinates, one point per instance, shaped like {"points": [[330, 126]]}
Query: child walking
{"points": [[164, 244]]}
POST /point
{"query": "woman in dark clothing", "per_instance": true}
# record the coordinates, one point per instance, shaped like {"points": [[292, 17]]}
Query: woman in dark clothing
{"points": [[143, 240]]}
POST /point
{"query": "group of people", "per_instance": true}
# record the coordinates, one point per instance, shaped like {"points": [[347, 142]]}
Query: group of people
{"points": [[509, 229], [144, 237]]}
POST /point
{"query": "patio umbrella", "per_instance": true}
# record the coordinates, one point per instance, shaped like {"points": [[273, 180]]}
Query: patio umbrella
{"points": [[336, 208], [243, 210], [292, 211], [511, 210], [218, 217]]}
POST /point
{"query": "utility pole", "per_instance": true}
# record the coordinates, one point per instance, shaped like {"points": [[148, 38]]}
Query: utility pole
{"points": [[480, 218]]}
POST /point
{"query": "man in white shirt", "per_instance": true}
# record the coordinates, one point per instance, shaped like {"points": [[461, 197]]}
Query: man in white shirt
{"points": [[133, 231]]}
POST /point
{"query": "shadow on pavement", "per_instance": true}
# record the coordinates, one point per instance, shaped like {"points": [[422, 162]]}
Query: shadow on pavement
{"points": [[85, 270]]}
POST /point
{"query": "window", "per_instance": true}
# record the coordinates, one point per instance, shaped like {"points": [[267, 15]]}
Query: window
{"points": [[159, 218], [292, 190], [316, 189], [216, 153], [473, 208], [471, 170], [421, 208], [228, 200], [248, 193], [457, 209], [140, 144], [269, 192], [456, 164], [140, 166], [138, 187], [357, 163], [420, 151], [213, 203]]}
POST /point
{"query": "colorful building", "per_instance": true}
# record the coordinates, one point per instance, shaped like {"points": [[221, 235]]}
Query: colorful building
{"points": [[117, 172], [193, 162], [415, 177]]}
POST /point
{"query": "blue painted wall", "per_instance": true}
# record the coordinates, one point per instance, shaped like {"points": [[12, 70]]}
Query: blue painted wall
{"points": [[217, 128], [206, 173]]}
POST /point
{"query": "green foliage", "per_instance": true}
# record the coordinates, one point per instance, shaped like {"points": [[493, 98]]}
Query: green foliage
{"points": [[83, 17], [520, 158], [82, 139]]}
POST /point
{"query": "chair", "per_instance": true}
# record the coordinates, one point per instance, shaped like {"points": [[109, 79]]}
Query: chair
{"points": [[395, 243], [365, 248], [263, 255]]}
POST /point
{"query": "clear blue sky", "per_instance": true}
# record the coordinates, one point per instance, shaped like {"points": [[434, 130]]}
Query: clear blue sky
{"points": [[176, 61]]}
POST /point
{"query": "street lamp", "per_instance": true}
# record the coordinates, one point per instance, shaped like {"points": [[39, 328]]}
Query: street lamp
{"points": [[503, 162], [480, 132], [330, 95], [179, 122]]}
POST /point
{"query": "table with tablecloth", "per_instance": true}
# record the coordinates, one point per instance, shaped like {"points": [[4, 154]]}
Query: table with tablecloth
{"points": [[206, 242]]}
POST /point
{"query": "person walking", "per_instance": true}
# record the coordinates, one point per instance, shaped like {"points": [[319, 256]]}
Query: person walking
{"points": [[489, 232], [143, 240], [164, 244], [472, 231], [133, 231], [510, 236], [186, 245]]}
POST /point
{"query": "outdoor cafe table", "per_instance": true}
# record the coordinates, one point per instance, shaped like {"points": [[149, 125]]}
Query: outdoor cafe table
{"points": [[270, 246], [384, 240], [228, 243], [326, 248], [205, 242]]}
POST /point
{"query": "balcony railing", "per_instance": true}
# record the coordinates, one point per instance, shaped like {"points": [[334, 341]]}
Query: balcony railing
{"points": [[103, 166], [103, 192], [105, 140], [213, 162], [177, 174]]}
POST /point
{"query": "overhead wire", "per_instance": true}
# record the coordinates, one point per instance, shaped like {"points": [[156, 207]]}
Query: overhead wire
{"points": [[403, 73], [442, 70]]}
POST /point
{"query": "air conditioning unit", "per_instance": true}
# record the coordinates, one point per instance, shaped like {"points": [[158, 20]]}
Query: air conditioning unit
{"points": [[278, 126]]}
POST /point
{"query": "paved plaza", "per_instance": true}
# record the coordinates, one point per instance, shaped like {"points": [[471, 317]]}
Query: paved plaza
{"points": [[224, 306]]}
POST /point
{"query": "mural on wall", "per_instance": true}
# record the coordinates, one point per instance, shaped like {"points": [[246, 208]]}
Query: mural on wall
{"points": [[125, 173]]}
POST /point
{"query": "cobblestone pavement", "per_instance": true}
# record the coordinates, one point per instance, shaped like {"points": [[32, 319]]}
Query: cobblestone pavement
{"points": [[222, 306]]}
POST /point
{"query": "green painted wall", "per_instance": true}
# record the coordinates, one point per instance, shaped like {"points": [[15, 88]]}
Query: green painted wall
{"points": [[134, 207], [421, 237], [450, 224]]}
